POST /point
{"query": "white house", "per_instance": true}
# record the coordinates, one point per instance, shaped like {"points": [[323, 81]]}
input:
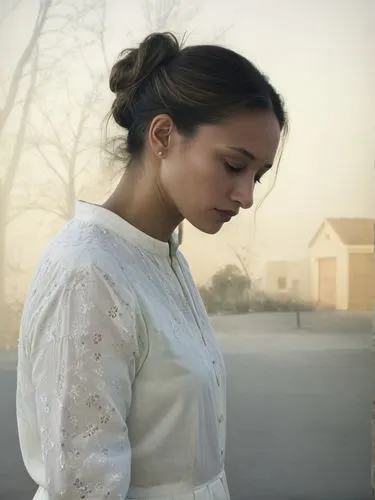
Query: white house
{"points": [[342, 264]]}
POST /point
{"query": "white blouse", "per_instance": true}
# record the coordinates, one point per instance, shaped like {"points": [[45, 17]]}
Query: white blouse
{"points": [[121, 384]]}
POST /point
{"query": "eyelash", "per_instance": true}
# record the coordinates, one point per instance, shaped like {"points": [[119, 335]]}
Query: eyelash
{"points": [[237, 170]]}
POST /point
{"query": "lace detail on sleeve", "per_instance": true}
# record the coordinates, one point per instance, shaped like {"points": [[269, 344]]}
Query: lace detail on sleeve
{"points": [[83, 371]]}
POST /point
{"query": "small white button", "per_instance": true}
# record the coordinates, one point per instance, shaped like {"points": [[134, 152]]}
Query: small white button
{"points": [[221, 419]]}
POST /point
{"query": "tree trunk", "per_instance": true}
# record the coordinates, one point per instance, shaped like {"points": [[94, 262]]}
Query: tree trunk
{"points": [[44, 7], [6, 188], [10, 172]]}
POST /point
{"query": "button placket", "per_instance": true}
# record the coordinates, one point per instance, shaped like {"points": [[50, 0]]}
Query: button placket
{"points": [[177, 272], [176, 268], [221, 411], [216, 373]]}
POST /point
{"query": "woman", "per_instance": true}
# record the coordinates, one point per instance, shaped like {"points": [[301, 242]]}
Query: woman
{"points": [[121, 385]]}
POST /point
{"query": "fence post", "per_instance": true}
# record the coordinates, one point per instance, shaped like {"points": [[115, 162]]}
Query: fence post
{"points": [[298, 317]]}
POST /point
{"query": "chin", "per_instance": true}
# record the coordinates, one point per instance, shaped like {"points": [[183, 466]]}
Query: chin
{"points": [[208, 227], [212, 229]]}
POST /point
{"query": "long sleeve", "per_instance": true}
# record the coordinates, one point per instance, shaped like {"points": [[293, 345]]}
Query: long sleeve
{"points": [[84, 365]]}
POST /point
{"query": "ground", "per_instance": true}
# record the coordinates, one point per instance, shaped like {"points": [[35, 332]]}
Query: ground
{"points": [[299, 409]]}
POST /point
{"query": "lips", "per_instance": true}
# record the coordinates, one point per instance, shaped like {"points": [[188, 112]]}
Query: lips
{"points": [[226, 215]]}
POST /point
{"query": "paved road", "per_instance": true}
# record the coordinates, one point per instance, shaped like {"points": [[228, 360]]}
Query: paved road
{"points": [[299, 418], [299, 409]]}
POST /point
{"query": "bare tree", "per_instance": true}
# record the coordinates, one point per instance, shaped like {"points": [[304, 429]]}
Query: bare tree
{"points": [[40, 55], [8, 177], [65, 155], [161, 15], [244, 265], [68, 143], [44, 8], [73, 27]]}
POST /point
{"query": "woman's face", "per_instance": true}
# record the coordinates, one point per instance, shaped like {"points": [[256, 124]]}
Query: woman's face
{"points": [[210, 177]]}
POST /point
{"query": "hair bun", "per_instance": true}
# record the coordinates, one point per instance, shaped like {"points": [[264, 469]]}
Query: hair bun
{"points": [[136, 66]]}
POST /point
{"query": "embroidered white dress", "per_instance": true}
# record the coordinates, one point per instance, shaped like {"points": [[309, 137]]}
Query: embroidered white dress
{"points": [[121, 384]]}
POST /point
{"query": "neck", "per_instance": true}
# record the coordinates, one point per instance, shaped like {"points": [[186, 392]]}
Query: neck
{"points": [[139, 200]]}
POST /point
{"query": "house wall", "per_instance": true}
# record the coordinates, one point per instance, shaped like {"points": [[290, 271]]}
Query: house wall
{"points": [[294, 274], [274, 270], [361, 249], [361, 280], [328, 244]]}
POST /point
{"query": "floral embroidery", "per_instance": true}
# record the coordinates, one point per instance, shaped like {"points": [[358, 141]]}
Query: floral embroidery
{"points": [[113, 312], [84, 341]]}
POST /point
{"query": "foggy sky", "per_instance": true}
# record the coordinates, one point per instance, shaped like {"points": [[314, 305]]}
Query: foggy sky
{"points": [[320, 57]]}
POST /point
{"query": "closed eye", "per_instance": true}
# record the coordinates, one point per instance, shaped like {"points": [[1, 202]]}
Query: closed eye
{"points": [[237, 169], [233, 168]]}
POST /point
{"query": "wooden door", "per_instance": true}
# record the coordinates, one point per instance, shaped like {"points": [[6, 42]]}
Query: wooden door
{"points": [[327, 282]]}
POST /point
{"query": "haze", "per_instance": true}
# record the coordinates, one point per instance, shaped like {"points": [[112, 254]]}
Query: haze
{"points": [[319, 55]]}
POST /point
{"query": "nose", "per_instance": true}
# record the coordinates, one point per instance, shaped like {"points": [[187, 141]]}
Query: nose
{"points": [[243, 194]]}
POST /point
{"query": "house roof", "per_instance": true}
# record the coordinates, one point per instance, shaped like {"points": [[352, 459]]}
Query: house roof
{"points": [[351, 231]]}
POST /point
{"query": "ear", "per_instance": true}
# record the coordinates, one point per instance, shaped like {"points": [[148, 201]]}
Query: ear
{"points": [[159, 134]]}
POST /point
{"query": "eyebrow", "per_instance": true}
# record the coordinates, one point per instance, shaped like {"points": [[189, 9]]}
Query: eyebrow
{"points": [[248, 155]]}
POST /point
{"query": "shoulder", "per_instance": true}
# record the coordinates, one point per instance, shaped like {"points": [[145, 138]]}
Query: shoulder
{"points": [[78, 246], [80, 243], [78, 278], [85, 256]]}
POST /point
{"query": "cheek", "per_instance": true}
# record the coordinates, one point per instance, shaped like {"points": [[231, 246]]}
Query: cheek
{"points": [[215, 179], [206, 170], [194, 172], [177, 177]]}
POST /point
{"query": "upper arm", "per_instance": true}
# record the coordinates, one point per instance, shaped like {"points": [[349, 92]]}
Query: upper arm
{"points": [[83, 370]]}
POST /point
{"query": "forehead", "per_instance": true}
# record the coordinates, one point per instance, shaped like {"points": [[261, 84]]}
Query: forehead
{"points": [[257, 132]]}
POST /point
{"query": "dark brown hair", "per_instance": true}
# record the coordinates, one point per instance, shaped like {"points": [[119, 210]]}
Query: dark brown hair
{"points": [[195, 85]]}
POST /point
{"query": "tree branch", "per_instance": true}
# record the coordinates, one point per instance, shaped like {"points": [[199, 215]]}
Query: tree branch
{"points": [[57, 143], [49, 163], [59, 212], [17, 149], [16, 78]]}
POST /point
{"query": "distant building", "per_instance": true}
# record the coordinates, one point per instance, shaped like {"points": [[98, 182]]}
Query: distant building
{"points": [[342, 264], [288, 278]]}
